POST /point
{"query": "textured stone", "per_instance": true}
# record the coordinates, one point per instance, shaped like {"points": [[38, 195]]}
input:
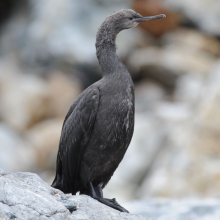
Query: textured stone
{"points": [[25, 196]]}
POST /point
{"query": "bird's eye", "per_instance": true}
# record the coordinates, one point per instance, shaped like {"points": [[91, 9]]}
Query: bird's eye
{"points": [[131, 18]]}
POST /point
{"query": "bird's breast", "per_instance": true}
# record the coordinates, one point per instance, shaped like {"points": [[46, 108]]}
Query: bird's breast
{"points": [[112, 132], [116, 116]]}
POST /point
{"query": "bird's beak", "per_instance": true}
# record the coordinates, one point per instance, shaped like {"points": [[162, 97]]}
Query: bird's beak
{"points": [[149, 18]]}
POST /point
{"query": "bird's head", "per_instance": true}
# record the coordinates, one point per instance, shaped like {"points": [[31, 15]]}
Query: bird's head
{"points": [[128, 18], [117, 22]]}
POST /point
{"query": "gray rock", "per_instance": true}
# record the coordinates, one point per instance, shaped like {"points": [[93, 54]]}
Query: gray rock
{"points": [[188, 209], [22, 97], [62, 91], [44, 146], [72, 33], [205, 14], [64, 29], [176, 58], [26, 196], [190, 160], [209, 105], [16, 153]]}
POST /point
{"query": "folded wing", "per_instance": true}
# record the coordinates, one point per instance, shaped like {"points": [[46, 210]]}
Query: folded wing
{"points": [[75, 135]]}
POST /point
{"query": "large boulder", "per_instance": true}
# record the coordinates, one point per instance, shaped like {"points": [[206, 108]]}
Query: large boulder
{"points": [[26, 196], [16, 152], [23, 97], [203, 14]]}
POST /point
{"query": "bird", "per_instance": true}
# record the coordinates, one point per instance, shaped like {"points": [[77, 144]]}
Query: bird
{"points": [[99, 125]]}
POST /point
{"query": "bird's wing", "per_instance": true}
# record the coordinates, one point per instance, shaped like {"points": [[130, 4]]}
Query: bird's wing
{"points": [[72, 107], [76, 132]]}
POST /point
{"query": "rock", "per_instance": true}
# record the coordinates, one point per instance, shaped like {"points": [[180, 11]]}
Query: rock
{"points": [[189, 87], [209, 102], [202, 13], [26, 196], [189, 160], [172, 165], [147, 63], [193, 39], [177, 59], [44, 138], [62, 92], [183, 51], [60, 30], [190, 156], [23, 98], [147, 94], [16, 152], [167, 209]]}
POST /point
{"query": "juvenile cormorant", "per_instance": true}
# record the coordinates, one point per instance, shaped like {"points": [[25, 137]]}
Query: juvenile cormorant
{"points": [[99, 125]]}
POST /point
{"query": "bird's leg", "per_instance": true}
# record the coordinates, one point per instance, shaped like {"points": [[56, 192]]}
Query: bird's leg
{"points": [[113, 201], [98, 190], [109, 202]]}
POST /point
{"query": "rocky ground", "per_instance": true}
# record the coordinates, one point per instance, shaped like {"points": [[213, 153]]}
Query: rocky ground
{"points": [[47, 57], [26, 196]]}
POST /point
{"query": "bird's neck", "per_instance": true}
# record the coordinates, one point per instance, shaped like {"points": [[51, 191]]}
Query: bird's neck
{"points": [[106, 51]]}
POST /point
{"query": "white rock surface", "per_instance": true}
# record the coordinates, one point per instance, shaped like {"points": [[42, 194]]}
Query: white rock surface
{"points": [[16, 152], [203, 13], [23, 96], [25, 196]]}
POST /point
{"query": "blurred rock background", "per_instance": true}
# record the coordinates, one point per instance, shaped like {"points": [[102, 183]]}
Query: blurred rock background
{"points": [[47, 57]]}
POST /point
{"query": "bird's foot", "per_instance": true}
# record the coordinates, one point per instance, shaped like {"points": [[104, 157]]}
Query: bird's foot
{"points": [[111, 203], [98, 195], [122, 209]]}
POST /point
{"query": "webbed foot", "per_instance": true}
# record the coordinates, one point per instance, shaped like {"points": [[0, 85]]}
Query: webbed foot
{"points": [[96, 193], [122, 209]]}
